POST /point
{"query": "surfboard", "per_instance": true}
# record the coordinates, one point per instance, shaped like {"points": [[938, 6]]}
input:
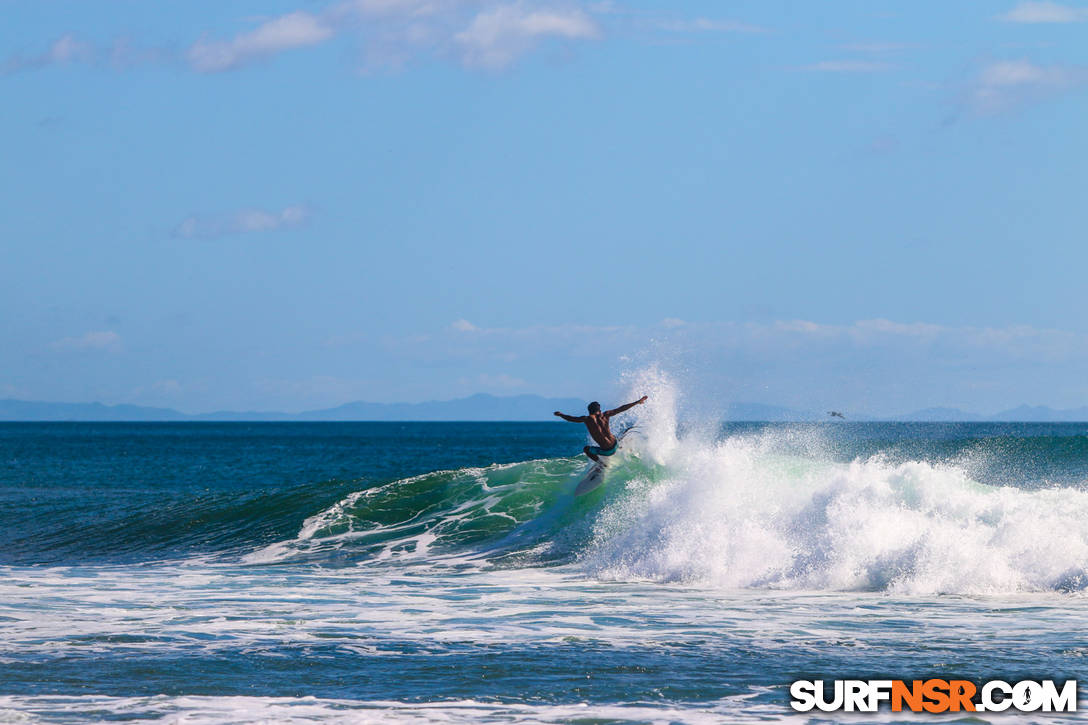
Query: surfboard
{"points": [[595, 476], [591, 480]]}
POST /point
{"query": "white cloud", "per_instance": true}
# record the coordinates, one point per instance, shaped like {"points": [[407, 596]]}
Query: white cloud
{"points": [[497, 36], [286, 32], [488, 34], [106, 340], [1004, 85], [1020, 73], [534, 331], [485, 34], [846, 66], [1044, 12], [417, 8], [243, 221]]}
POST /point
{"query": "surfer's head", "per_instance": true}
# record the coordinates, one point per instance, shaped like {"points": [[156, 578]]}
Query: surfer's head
{"points": [[594, 407]]}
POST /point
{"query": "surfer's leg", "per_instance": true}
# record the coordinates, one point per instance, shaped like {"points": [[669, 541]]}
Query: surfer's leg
{"points": [[591, 451]]}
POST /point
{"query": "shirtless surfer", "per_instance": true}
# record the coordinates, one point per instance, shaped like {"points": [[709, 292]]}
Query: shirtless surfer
{"points": [[597, 423]]}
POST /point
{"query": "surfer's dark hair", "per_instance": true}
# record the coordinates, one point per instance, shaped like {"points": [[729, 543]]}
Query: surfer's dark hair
{"points": [[594, 407]]}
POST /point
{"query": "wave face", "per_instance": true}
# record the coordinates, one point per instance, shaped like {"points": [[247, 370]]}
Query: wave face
{"points": [[501, 512]]}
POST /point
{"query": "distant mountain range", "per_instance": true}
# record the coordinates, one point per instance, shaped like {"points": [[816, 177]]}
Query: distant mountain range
{"points": [[483, 407], [476, 407]]}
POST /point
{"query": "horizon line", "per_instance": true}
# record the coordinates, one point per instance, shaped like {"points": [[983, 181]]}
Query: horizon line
{"points": [[952, 414]]}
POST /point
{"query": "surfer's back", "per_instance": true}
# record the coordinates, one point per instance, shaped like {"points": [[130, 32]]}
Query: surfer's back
{"points": [[599, 430]]}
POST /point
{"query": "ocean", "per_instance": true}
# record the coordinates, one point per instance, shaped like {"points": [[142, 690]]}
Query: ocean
{"points": [[384, 572]]}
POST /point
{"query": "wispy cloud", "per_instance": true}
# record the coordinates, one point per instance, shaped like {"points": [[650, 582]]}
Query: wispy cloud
{"points": [[244, 221], [847, 66], [903, 364], [466, 328], [487, 34], [69, 49], [1044, 12], [65, 49], [105, 340], [497, 36], [1004, 85], [286, 32], [708, 25], [378, 8]]}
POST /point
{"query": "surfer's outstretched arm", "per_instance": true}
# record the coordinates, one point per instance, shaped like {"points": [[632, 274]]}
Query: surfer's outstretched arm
{"points": [[622, 408], [571, 418]]}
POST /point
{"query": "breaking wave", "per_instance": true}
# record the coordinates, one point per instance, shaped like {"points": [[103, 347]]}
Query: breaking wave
{"points": [[769, 509]]}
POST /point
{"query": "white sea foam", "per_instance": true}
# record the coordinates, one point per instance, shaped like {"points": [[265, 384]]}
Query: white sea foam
{"points": [[193, 710], [771, 510], [207, 610], [243, 710]]}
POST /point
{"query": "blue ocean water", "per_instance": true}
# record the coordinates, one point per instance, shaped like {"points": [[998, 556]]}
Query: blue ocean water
{"points": [[355, 572]]}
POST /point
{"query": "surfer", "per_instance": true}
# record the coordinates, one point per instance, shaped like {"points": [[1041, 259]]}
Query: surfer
{"points": [[597, 423]]}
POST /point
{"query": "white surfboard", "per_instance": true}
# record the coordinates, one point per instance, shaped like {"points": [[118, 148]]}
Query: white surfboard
{"points": [[595, 476], [591, 480]]}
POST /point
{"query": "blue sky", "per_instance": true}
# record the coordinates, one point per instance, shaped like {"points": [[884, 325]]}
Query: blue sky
{"points": [[286, 205]]}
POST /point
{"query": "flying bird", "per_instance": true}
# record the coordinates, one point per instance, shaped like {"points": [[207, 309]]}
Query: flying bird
{"points": [[836, 414]]}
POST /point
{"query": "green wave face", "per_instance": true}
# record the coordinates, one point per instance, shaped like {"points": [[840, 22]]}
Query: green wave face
{"points": [[504, 514]]}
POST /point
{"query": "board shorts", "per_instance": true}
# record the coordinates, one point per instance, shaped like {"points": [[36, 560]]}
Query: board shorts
{"points": [[604, 451]]}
